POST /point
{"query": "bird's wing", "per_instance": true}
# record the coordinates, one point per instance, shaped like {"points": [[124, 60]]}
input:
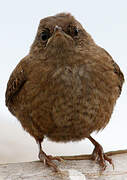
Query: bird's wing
{"points": [[15, 83], [117, 71], [119, 74]]}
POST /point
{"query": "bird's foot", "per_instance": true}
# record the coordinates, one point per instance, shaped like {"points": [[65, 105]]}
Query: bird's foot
{"points": [[99, 156], [48, 160]]}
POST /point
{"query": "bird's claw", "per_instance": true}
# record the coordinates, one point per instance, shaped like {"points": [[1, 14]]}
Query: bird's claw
{"points": [[47, 160], [99, 156], [57, 158]]}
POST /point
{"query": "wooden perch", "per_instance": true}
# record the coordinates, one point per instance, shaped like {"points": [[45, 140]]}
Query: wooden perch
{"points": [[70, 170]]}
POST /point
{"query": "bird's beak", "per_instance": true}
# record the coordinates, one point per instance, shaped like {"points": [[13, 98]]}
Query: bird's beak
{"points": [[60, 40], [57, 29], [57, 33]]}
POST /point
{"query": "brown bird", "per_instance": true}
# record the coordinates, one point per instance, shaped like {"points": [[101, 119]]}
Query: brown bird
{"points": [[65, 88]]}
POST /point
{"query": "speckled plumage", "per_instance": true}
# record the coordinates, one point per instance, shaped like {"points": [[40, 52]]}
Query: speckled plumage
{"points": [[67, 86]]}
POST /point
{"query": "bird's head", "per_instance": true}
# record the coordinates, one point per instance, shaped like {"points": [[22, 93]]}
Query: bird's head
{"points": [[59, 35]]}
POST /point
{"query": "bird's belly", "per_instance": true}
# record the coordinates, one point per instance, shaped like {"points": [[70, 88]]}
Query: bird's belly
{"points": [[76, 116], [81, 105], [71, 106]]}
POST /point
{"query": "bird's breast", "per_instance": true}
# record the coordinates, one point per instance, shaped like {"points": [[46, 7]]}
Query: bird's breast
{"points": [[67, 81], [68, 94]]}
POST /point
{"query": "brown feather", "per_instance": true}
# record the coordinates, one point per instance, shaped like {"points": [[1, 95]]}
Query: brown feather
{"points": [[67, 86]]}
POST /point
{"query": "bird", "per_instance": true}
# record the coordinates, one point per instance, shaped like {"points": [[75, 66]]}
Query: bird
{"points": [[65, 88]]}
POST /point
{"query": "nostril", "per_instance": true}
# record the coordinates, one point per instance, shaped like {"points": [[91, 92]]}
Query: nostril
{"points": [[57, 28]]}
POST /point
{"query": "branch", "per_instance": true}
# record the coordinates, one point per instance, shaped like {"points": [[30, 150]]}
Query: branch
{"points": [[88, 157], [70, 170]]}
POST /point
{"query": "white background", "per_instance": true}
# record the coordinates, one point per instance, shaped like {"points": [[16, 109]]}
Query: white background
{"points": [[106, 21]]}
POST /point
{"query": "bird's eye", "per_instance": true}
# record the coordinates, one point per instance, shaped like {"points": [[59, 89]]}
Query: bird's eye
{"points": [[76, 31], [73, 30], [45, 35]]}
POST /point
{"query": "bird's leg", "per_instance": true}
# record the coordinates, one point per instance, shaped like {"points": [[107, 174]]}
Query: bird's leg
{"points": [[47, 159], [98, 154]]}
